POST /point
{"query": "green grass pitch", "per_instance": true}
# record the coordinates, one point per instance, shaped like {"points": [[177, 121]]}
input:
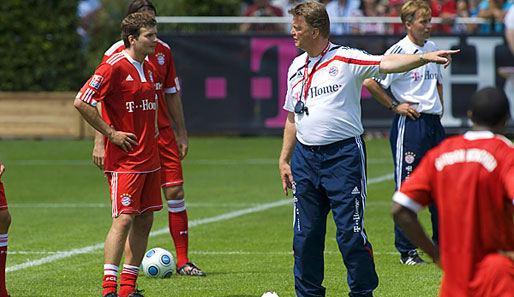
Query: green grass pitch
{"points": [[240, 223]]}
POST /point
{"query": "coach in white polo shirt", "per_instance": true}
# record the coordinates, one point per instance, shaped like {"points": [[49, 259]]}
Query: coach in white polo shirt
{"points": [[416, 127], [323, 143]]}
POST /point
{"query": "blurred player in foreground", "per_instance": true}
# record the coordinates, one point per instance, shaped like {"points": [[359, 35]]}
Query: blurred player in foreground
{"points": [[471, 180], [5, 222], [416, 127], [171, 150], [125, 85], [323, 156]]}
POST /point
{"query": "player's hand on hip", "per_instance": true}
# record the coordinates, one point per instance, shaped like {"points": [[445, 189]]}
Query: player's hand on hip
{"points": [[183, 146], [407, 109], [125, 140], [2, 168], [99, 155], [286, 176]]}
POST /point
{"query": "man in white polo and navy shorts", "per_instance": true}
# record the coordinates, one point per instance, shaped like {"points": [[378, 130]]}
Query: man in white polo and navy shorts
{"points": [[323, 158], [416, 127]]}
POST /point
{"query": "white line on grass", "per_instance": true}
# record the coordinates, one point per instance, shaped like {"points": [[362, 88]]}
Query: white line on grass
{"points": [[191, 162], [193, 223]]}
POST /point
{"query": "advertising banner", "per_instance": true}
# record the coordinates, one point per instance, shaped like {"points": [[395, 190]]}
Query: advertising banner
{"points": [[235, 84]]}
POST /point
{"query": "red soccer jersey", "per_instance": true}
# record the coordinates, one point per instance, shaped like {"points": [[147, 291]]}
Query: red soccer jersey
{"points": [[471, 180], [127, 91], [167, 80]]}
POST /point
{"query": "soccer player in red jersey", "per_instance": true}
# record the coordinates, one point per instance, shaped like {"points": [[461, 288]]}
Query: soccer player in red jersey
{"points": [[471, 180], [171, 150], [5, 222], [125, 85]]}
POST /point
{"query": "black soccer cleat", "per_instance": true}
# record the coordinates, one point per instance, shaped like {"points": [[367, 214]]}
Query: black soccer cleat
{"points": [[412, 258], [136, 293], [111, 294]]}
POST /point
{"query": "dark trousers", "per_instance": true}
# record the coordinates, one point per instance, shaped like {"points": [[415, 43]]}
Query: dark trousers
{"points": [[410, 140], [331, 177]]}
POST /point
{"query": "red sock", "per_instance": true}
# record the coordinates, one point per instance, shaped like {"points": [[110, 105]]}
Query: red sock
{"points": [[128, 280], [3, 256], [178, 223], [110, 282]]}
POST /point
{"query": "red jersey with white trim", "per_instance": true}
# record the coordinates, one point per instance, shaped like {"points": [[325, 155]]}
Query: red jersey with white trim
{"points": [[127, 91], [333, 95], [167, 80], [471, 180]]}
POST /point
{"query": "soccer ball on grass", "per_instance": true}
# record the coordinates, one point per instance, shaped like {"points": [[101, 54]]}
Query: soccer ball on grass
{"points": [[158, 263]]}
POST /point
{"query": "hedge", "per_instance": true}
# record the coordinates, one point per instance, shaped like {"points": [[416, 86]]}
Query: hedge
{"points": [[41, 50]]}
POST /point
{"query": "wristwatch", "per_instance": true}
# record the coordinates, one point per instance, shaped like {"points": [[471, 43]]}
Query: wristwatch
{"points": [[423, 61], [393, 105]]}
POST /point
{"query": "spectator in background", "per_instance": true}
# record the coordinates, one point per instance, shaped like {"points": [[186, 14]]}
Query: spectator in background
{"points": [[370, 8], [446, 10], [508, 72], [495, 10], [286, 5], [341, 8], [265, 9], [86, 11], [395, 9], [463, 11]]}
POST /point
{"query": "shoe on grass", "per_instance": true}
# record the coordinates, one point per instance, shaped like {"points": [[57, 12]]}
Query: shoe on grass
{"points": [[190, 269], [412, 258]]}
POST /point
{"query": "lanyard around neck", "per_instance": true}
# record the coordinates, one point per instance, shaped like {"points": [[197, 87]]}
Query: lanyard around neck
{"points": [[307, 79]]}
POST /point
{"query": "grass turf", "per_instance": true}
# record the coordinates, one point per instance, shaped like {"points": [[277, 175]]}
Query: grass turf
{"points": [[61, 213]]}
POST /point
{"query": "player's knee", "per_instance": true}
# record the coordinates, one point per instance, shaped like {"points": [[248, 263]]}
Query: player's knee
{"points": [[5, 221], [174, 193]]}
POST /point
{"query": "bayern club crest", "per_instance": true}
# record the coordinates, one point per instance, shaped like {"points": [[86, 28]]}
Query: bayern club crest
{"points": [[333, 71], [125, 199], [160, 58], [410, 157]]}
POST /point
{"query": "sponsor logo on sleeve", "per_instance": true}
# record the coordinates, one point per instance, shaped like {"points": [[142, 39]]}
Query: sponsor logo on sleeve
{"points": [[96, 81]]}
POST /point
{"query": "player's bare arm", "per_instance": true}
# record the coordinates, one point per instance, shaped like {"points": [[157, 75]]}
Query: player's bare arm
{"points": [[174, 104], [99, 145], [2, 168], [408, 221], [381, 96], [403, 62], [288, 145], [125, 140]]}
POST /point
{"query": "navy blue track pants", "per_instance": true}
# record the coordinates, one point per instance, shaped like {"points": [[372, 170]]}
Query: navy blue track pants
{"points": [[331, 177], [410, 140]]}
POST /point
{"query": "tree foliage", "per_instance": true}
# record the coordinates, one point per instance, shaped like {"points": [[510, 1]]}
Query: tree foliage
{"points": [[41, 49]]}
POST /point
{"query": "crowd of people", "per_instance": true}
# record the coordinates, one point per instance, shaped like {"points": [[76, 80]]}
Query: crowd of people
{"points": [[448, 10]]}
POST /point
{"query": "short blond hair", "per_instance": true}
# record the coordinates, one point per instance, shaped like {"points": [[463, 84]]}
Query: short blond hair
{"points": [[410, 8], [315, 15]]}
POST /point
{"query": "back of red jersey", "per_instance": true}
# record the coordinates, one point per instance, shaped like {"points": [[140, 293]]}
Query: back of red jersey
{"points": [[127, 91], [166, 80], [471, 180]]}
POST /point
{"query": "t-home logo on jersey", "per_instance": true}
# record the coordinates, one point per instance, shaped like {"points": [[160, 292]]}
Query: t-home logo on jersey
{"points": [[145, 105], [427, 75], [322, 90]]}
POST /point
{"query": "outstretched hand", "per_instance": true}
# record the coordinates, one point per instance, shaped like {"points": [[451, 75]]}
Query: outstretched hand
{"points": [[440, 57]]}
